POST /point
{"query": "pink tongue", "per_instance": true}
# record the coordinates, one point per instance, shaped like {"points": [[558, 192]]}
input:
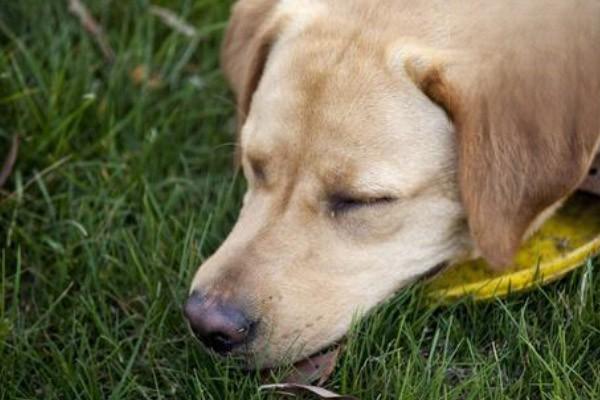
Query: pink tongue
{"points": [[316, 369]]}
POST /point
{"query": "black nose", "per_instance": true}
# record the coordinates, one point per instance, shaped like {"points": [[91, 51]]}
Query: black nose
{"points": [[219, 326]]}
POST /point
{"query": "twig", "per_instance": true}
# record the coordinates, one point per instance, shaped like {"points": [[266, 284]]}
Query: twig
{"points": [[37, 176], [77, 8], [9, 163], [174, 21]]}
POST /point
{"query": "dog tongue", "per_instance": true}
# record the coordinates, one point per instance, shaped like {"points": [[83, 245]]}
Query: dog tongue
{"points": [[314, 370]]}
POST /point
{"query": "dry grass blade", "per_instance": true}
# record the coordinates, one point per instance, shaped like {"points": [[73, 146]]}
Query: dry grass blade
{"points": [[9, 162], [313, 370], [294, 388], [174, 21], [89, 23]]}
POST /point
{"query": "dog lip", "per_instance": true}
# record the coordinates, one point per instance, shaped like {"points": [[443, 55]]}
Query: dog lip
{"points": [[222, 347], [324, 350], [431, 273], [435, 270], [316, 367]]}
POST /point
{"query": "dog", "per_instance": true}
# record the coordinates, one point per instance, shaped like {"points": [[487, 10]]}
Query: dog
{"points": [[381, 141]]}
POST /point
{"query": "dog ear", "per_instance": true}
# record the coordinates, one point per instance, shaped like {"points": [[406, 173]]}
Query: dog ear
{"points": [[246, 46], [526, 133]]}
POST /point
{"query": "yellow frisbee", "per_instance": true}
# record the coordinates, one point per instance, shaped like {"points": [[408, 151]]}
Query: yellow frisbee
{"points": [[562, 244]]}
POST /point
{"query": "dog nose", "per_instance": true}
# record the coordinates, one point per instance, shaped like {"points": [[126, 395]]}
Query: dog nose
{"points": [[219, 326]]}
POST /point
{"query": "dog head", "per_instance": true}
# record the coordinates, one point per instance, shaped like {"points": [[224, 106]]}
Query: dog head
{"points": [[369, 163]]}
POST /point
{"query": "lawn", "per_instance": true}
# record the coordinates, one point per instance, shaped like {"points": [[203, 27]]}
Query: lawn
{"points": [[123, 186]]}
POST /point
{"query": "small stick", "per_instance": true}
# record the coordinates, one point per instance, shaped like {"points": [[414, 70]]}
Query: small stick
{"points": [[9, 162], [78, 9], [172, 20]]}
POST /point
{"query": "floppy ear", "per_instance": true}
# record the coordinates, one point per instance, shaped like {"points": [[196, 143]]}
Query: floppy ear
{"points": [[246, 46], [526, 134]]}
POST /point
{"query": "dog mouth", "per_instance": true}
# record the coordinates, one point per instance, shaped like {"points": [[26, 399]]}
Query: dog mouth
{"points": [[314, 369], [433, 272], [319, 366]]}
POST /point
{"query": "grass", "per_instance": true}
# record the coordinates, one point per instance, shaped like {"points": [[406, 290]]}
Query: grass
{"points": [[122, 188]]}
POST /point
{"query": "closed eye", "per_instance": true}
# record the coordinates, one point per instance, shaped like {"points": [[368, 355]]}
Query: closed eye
{"points": [[343, 203], [257, 169]]}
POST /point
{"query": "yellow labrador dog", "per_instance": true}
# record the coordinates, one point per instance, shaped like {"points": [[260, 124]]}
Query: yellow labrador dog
{"points": [[382, 139]]}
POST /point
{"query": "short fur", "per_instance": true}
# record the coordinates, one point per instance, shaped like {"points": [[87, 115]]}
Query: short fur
{"points": [[456, 128]]}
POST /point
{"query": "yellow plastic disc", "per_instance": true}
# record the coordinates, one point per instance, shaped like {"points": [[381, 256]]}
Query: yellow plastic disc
{"points": [[562, 244]]}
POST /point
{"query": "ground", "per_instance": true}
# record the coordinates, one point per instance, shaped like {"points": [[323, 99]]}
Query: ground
{"points": [[124, 185]]}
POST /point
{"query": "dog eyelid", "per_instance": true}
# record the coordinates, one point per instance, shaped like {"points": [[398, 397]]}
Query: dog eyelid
{"points": [[340, 203], [257, 167]]}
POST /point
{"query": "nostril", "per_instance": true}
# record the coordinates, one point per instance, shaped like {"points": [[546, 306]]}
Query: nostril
{"points": [[218, 325], [220, 338], [223, 341]]}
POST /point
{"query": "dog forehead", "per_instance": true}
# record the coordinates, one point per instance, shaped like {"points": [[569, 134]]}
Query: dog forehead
{"points": [[329, 101], [303, 95], [329, 122]]}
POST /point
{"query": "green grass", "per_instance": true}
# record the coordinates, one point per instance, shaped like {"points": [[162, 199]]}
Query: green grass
{"points": [[122, 189]]}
